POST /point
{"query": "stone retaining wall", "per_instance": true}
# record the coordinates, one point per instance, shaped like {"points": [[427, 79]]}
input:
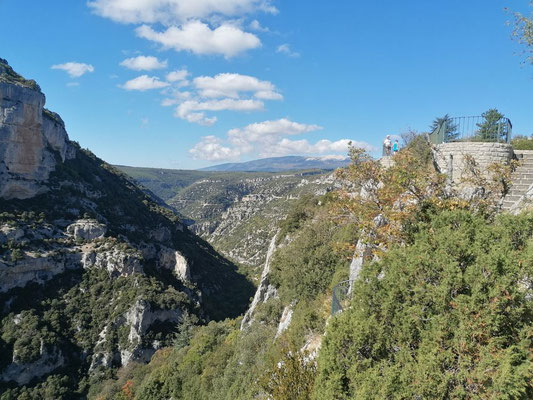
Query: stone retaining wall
{"points": [[450, 157]]}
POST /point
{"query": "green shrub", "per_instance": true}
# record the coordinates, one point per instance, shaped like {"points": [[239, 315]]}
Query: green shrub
{"points": [[444, 318], [522, 142]]}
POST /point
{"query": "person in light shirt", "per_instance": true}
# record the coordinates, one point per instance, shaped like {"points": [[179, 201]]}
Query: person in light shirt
{"points": [[387, 146]]}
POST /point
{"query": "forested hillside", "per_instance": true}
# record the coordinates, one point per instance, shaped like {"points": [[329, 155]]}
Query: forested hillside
{"points": [[443, 311]]}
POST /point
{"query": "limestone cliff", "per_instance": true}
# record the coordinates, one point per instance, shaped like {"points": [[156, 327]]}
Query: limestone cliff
{"points": [[32, 139]]}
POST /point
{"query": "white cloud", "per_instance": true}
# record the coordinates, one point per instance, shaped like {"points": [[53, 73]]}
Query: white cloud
{"points": [[285, 147], [175, 11], [74, 69], [210, 148], [175, 97], [143, 63], [267, 139], [176, 76], [198, 38], [265, 132], [256, 26], [144, 82], [192, 110], [268, 95], [231, 85], [286, 49]]}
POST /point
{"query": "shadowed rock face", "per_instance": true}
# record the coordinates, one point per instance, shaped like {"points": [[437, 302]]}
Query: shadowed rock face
{"points": [[29, 137]]}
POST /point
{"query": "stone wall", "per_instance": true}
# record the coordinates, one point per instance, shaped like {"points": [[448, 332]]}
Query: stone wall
{"points": [[450, 157]]}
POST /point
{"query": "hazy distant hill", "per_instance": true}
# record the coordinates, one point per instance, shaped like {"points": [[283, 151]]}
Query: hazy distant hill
{"points": [[289, 163]]}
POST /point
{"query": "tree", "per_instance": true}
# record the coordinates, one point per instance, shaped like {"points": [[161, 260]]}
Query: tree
{"points": [[523, 31], [292, 378], [492, 128], [451, 133]]}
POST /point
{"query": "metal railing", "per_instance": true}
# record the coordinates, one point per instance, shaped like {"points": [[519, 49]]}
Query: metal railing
{"points": [[472, 129], [341, 296]]}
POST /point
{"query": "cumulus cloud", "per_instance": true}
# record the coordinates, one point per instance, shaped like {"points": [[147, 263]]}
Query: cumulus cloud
{"points": [[74, 69], [143, 63], [194, 100], [175, 11], [177, 76], [286, 146], [144, 82], [267, 132], [193, 111], [199, 26], [269, 139], [266, 135], [198, 38], [210, 148], [222, 92], [286, 49], [231, 85], [256, 26]]}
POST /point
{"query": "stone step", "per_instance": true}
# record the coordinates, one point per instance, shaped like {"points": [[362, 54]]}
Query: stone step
{"points": [[524, 177], [522, 173], [522, 182], [507, 204], [524, 168], [521, 169], [518, 192], [512, 198]]}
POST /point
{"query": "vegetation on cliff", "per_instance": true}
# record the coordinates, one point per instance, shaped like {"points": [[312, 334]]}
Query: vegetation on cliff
{"points": [[446, 316], [445, 312], [80, 315]]}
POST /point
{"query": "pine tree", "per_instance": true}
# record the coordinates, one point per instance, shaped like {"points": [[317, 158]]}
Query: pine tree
{"points": [[451, 133], [492, 128]]}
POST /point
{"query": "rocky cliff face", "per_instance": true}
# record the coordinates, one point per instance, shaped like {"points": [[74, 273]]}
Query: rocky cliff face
{"points": [[239, 214], [30, 138], [94, 272]]}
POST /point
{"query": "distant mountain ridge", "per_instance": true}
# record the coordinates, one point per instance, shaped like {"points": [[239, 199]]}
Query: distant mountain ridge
{"points": [[288, 163]]}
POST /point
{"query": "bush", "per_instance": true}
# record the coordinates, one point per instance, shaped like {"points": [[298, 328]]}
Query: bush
{"points": [[446, 317], [522, 142]]}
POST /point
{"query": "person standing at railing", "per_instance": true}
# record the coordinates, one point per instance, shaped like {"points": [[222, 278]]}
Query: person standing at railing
{"points": [[387, 146]]}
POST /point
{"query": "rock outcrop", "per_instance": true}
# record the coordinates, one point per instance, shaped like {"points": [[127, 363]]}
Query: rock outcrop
{"points": [[86, 229], [117, 262], [173, 260], [34, 269], [30, 137], [23, 373], [139, 318], [265, 290]]}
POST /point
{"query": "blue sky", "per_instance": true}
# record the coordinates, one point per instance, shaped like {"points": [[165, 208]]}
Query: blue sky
{"points": [[256, 78]]}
